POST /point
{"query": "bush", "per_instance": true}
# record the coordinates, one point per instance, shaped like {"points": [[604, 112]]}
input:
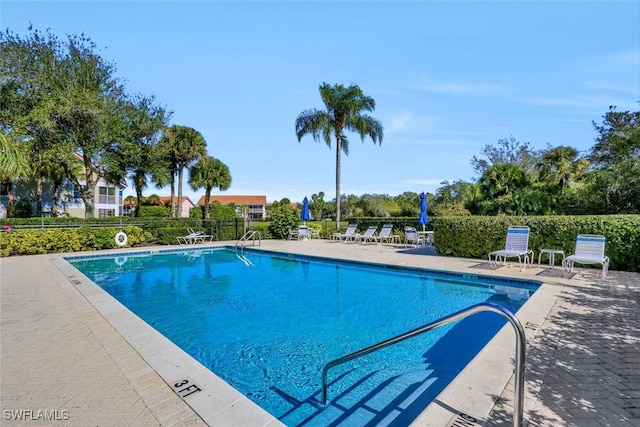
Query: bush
{"points": [[154, 212], [29, 242], [23, 209], [477, 236], [282, 218], [263, 228]]}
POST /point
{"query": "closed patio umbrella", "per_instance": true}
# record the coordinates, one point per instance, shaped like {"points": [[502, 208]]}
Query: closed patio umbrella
{"points": [[424, 218], [305, 216]]}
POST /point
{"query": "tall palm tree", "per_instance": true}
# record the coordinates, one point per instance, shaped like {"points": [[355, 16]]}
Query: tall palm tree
{"points": [[187, 145], [209, 173], [345, 111], [165, 173]]}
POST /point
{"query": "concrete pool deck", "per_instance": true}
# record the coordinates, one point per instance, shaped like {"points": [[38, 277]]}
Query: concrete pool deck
{"points": [[70, 356]]}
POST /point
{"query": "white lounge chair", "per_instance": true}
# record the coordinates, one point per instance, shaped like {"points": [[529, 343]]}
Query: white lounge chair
{"points": [[517, 245], [369, 235], [411, 237], [293, 234], [589, 250], [190, 238], [385, 235], [349, 234]]}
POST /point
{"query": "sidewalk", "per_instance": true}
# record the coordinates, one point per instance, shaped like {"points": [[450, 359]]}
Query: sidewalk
{"points": [[63, 364]]}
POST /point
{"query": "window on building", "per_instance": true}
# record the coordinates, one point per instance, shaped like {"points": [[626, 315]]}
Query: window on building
{"points": [[103, 213], [76, 193], [107, 195]]}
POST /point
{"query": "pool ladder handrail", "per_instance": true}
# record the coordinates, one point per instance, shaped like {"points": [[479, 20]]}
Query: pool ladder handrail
{"points": [[474, 309], [251, 234], [244, 239]]}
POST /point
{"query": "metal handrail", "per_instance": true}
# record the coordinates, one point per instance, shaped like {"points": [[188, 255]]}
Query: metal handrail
{"points": [[520, 350], [249, 235]]}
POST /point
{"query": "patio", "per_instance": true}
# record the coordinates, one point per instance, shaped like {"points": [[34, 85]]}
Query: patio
{"points": [[62, 357]]}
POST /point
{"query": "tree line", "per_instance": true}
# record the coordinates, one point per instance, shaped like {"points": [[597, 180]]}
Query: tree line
{"points": [[65, 115], [516, 179]]}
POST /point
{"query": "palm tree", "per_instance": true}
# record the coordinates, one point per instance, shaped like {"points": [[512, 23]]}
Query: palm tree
{"points": [[186, 146], [166, 170], [503, 180], [561, 165], [209, 173], [345, 108], [13, 164]]}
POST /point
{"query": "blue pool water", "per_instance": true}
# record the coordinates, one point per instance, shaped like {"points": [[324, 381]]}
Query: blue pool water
{"points": [[268, 326]]}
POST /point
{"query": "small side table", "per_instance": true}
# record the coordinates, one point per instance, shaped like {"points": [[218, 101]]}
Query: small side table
{"points": [[551, 254]]}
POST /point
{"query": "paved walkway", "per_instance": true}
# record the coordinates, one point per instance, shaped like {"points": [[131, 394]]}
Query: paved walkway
{"points": [[590, 346], [63, 363]]}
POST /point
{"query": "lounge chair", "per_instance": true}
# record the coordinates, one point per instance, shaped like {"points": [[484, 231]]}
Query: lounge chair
{"points": [[385, 234], [589, 250], [411, 237], [293, 234], [369, 235], [517, 245], [350, 233], [189, 238]]}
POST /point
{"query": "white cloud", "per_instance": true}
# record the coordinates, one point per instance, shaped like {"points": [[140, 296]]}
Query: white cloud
{"points": [[397, 123], [457, 88]]}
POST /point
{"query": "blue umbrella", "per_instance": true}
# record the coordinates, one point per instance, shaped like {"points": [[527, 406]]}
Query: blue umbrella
{"points": [[424, 218], [305, 211]]}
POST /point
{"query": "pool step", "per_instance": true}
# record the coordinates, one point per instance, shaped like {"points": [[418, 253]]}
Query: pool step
{"points": [[373, 399]]}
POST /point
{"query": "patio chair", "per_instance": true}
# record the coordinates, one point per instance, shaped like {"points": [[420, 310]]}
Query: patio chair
{"points": [[189, 238], [304, 233], [350, 233], [369, 235], [517, 245], [589, 250], [411, 237], [385, 234], [293, 234]]}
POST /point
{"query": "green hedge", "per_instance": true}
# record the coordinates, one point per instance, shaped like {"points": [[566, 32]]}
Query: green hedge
{"points": [[476, 236], [29, 242]]}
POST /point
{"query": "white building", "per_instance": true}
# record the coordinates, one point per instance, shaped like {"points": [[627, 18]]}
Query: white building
{"points": [[108, 198]]}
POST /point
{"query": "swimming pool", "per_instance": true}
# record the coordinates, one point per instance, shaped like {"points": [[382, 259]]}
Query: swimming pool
{"points": [[268, 326]]}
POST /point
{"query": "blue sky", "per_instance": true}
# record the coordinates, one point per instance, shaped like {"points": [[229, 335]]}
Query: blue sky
{"points": [[448, 77]]}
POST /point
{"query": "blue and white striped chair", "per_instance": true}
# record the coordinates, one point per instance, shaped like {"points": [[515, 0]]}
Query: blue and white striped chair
{"points": [[517, 245], [589, 250]]}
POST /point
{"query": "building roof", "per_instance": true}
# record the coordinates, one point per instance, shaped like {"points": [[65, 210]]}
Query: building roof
{"points": [[166, 200], [237, 200]]}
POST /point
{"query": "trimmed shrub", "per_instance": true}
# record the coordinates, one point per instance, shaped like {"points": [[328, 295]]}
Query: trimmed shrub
{"points": [[29, 242], [476, 236], [154, 212]]}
